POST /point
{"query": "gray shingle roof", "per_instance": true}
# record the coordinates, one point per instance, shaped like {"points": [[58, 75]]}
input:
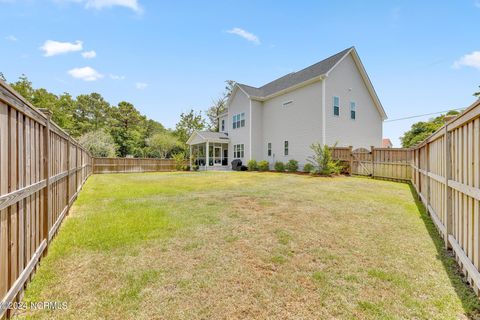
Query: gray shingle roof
{"points": [[213, 135], [295, 78]]}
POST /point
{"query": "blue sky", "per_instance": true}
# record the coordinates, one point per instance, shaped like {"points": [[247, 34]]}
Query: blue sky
{"points": [[168, 57]]}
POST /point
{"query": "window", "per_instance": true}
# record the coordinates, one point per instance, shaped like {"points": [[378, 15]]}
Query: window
{"points": [[239, 120], [238, 150], [353, 109], [336, 106], [269, 149], [286, 148], [287, 103], [223, 124]]}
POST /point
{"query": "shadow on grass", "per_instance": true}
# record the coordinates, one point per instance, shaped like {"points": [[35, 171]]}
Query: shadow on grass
{"points": [[470, 301]]}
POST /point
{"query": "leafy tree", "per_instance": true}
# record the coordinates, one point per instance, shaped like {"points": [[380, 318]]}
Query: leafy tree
{"points": [[219, 106], [422, 129], [91, 113], [99, 143], [228, 88], [24, 87], [127, 129], [477, 94], [189, 122], [162, 144], [2, 77], [64, 110]]}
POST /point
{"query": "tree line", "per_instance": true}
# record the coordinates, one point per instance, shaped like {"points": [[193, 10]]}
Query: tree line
{"points": [[120, 130]]}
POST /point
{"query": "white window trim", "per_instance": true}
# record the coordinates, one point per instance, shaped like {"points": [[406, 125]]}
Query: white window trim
{"points": [[354, 109], [333, 106]]}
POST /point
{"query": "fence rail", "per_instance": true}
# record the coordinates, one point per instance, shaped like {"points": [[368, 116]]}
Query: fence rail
{"points": [[124, 165], [42, 169], [446, 176]]}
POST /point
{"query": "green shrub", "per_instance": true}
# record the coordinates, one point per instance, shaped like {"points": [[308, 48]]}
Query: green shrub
{"points": [[322, 160], [252, 165], [279, 166], [179, 159], [263, 165], [308, 167], [195, 167], [292, 165]]}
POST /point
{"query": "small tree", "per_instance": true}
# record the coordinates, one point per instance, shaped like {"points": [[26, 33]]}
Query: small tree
{"points": [[99, 143], [252, 165], [163, 143], [322, 160], [179, 159]]}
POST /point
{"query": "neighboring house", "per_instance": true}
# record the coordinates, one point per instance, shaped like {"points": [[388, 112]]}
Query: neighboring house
{"points": [[330, 102], [386, 143]]}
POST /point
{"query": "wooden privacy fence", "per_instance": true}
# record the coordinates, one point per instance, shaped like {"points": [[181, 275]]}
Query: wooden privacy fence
{"points": [[386, 163], [42, 169], [123, 165], [446, 176]]}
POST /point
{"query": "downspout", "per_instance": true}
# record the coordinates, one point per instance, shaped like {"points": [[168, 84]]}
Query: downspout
{"points": [[250, 145], [324, 113]]}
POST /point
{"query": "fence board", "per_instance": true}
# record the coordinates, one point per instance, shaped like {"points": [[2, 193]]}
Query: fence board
{"points": [[126, 165], [33, 160], [453, 171], [385, 163]]}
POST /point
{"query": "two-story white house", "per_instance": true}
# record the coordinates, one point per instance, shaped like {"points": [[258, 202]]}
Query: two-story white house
{"points": [[330, 102]]}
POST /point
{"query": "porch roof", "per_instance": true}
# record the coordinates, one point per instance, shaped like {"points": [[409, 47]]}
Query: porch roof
{"points": [[198, 137]]}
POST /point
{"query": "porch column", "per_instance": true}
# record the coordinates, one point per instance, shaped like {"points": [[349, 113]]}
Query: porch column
{"points": [[191, 155], [207, 161]]}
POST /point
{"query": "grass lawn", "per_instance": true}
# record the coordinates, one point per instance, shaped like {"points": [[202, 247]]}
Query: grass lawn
{"points": [[237, 245]]}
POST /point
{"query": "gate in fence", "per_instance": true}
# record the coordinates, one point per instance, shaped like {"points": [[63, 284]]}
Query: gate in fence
{"points": [[362, 162]]}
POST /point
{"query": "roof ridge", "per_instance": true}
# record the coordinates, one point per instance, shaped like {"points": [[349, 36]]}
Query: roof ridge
{"points": [[293, 78]]}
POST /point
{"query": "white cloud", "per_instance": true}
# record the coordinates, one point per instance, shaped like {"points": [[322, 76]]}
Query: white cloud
{"points": [[11, 38], [245, 35], [116, 77], [53, 48], [100, 4], [140, 85], [85, 73], [468, 60], [89, 54]]}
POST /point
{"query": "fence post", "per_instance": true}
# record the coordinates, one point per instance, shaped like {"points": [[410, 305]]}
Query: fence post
{"points": [[46, 172], [350, 158], [448, 190], [68, 171], [427, 157], [372, 149]]}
